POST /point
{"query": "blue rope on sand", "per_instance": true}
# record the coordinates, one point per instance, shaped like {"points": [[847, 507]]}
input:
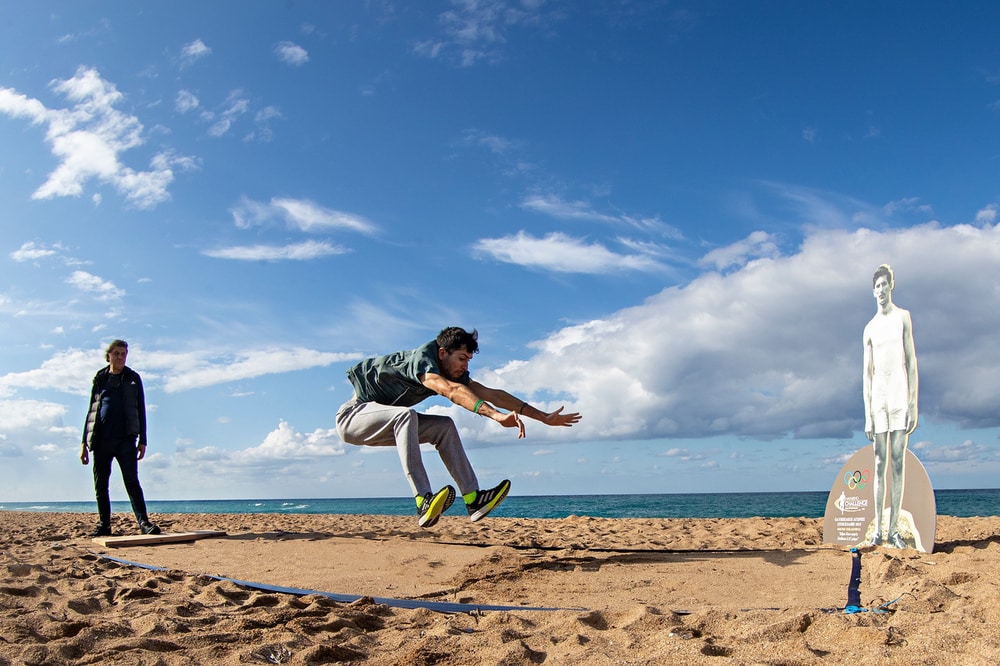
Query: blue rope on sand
{"points": [[439, 606], [854, 592]]}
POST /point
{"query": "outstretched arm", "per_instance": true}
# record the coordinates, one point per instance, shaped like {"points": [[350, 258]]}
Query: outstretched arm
{"points": [[463, 396], [505, 400]]}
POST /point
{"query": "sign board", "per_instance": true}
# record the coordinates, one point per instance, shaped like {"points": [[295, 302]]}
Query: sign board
{"points": [[850, 508]]}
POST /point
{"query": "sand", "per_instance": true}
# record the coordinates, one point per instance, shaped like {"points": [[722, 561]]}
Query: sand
{"points": [[504, 591]]}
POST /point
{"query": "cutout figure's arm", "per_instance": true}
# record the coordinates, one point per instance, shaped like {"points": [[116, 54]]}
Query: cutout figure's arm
{"points": [[910, 359], [866, 388]]}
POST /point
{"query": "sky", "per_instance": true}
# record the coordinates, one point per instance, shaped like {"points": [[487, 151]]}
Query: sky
{"points": [[662, 215]]}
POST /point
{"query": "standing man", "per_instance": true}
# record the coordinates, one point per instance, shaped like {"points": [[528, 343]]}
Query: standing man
{"points": [[116, 430], [890, 394], [380, 414]]}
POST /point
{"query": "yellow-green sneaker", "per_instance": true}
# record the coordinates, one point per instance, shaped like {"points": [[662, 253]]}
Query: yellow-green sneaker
{"points": [[433, 506], [487, 500]]}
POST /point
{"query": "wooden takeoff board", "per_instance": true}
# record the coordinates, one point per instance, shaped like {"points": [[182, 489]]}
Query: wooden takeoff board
{"points": [[153, 539]]}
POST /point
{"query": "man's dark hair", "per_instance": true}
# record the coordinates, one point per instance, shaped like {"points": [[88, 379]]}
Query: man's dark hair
{"points": [[114, 343], [454, 338], [885, 270]]}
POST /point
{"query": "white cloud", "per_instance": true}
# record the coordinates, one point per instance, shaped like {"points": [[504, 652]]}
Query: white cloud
{"points": [[17, 415], [774, 348], [291, 53], [909, 204], [89, 138], [103, 290], [757, 245], [189, 371], [495, 144], [300, 214], [70, 372], [267, 113], [476, 31], [31, 252], [73, 371], [563, 254], [554, 206], [193, 51], [568, 210], [285, 443], [186, 101], [236, 106], [987, 215], [304, 251]]}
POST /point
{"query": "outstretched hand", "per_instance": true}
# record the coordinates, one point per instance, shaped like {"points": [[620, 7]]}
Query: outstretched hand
{"points": [[512, 420], [557, 418]]}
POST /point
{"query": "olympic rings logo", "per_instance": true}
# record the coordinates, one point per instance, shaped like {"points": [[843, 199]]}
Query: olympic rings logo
{"points": [[857, 479]]}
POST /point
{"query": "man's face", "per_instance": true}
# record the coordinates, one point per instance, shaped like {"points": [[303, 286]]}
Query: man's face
{"points": [[116, 357], [882, 290], [455, 364]]}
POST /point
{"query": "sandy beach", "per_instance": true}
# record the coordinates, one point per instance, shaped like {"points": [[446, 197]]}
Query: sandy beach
{"points": [[379, 590]]}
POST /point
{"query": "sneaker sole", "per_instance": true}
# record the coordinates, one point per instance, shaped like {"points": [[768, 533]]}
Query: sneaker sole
{"points": [[482, 513], [439, 504]]}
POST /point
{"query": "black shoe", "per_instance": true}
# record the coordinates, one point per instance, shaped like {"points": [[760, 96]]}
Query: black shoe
{"points": [[101, 530], [148, 528], [433, 506], [487, 500]]}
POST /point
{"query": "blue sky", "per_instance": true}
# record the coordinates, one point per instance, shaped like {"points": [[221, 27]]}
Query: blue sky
{"points": [[662, 215]]}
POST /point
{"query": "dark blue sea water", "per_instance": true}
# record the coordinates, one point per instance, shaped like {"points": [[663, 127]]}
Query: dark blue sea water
{"points": [[962, 503]]}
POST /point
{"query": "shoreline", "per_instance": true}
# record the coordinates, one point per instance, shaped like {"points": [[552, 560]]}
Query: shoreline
{"points": [[809, 504], [630, 590]]}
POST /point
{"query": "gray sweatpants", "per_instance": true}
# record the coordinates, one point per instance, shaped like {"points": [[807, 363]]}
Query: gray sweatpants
{"points": [[372, 424]]}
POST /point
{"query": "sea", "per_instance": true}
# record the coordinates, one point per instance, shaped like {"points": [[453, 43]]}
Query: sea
{"points": [[808, 504]]}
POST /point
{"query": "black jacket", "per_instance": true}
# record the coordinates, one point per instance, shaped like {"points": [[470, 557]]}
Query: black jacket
{"points": [[135, 406]]}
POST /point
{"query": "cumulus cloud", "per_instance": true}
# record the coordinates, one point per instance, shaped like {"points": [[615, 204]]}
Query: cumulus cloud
{"points": [[562, 254], [291, 53], [773, 348], [16, 415], [89, 138], [103, 290], [31, 252], [286, 443]]}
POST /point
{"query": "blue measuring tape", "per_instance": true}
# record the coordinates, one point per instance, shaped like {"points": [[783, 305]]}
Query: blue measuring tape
{"points": [[854, 591]]}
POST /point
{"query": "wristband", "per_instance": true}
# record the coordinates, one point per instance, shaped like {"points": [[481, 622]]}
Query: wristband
{"points": [[479, 403]]}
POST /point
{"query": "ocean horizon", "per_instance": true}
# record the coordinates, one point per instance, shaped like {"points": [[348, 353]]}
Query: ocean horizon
{"points": [[961, 503]]}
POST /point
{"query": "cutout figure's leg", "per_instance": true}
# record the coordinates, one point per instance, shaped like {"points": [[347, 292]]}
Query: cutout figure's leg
{"points": [[898, 442], [881, 464]]}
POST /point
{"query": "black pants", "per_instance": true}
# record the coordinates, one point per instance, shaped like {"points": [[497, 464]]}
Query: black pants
{"points": [[124, 451]]}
